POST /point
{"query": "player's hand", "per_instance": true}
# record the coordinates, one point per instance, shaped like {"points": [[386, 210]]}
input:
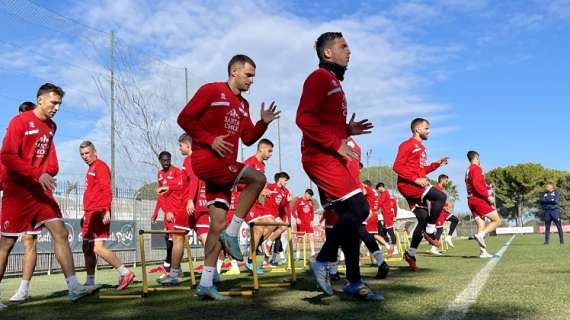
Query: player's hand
{"points": [[190, 207], [107, 217], [153, 220], [48, 182], [443, 161], [264, 193], [169, 217], [298, 221], [422, 182], [346, 151], [162, 189], [269, 114], [359, 127], [221, 146]]}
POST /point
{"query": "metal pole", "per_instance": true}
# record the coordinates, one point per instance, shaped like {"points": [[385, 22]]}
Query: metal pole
{"points": [[111, 68], [368, 154], [186, 82], [279, 142]]}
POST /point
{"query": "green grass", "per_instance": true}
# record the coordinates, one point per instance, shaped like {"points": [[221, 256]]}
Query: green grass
{"points": [[521, 286]]}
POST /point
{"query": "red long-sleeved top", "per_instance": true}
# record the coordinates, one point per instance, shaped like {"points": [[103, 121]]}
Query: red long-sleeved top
{"points": [[411, 162], [370, 197], [304, 210], [173, 199], [475, 182], [98, 195], [28, 150], [216, 111], [276, 201], [321, 115], [387, 202], [191, 181]]}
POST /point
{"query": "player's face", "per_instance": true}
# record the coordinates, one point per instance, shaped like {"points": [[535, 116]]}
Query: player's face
{"points": [[88, 155], [339, 52], [423, 130], [444, 182], [165, 162], [308, 196], [549, 188], [48, 104], [266, 151], [185, 148], [244, 75], [381, 189], [283, 182]]}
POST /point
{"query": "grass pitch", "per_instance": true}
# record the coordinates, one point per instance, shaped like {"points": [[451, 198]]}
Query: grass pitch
{"points": [[532, 281]]}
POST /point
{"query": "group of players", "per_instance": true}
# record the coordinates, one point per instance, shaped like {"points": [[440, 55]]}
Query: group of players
{"points": [[214, 193]]}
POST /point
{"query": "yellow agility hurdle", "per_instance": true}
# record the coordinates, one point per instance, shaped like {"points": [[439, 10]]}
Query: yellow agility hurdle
{"points": [[253, 250], [145, 288]]}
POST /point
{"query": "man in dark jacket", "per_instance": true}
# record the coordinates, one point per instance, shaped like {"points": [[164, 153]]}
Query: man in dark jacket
{"points": [[550, 202]]}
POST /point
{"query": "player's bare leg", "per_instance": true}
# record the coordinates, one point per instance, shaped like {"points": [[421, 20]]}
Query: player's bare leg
{"points": [[90, 262], [59, 235], [177, 254], [6, 245], [126, 277], [255, 182], [212, 248], [29, 265]]}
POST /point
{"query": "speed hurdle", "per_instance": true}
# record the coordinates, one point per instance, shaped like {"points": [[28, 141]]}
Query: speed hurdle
{"points": [[256, 285], [402, 244], [146, 288]]}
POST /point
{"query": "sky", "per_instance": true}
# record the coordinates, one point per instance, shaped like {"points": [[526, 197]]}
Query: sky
{"points": [[490, 76]]}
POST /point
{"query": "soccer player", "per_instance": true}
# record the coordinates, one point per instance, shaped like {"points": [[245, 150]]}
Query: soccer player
{"points": [[321, 116], [411, 167], [171, 201], [445, 215], [96, 219], [304, 213], [29, 240], [389, 209], [30, 161], [480, 202], [216, 118], [371, 222]]}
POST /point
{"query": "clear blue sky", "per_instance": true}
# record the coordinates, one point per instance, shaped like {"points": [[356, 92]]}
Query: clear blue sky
{"points": [[500, 69]]}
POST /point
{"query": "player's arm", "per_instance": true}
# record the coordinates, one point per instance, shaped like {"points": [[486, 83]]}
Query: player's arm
{"points": [[10, 153], [402, 164], [309, 113], [190, 117], [103, 175], [250, 133], [436, 164], [52, 167], [156, 209]]}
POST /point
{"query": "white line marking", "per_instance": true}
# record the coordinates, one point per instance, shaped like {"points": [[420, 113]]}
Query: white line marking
{"points": [[460, 306]]}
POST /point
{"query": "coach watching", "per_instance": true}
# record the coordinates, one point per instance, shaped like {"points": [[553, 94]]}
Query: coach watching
{"points": [[550, 203]]}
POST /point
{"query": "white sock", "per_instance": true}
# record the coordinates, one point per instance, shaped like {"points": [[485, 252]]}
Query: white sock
{"points": [[219, 265], [333, 267], [207, 279], [122, 270], [166, 264], [379, 257], [233, 228], [297, 255], [341, 256], [481, 234], [412, 252], [71, 282], [24, 286], [90, 280], [282, 255], [388, 247], [430, 228], [234, 263]]}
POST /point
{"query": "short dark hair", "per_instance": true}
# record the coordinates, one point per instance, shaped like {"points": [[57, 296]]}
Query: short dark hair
{"points": [[367, 182], [164, 153], [471, 155], [416, 122], [310, 191], [49, 87], [264, 141], [280, 175], [324, 41], [185, 138], [241, 59], [380, 185], [442, 177], [26, 106]]}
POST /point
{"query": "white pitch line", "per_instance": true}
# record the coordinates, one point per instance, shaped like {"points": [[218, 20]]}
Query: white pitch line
{"points": [[460, 306]]}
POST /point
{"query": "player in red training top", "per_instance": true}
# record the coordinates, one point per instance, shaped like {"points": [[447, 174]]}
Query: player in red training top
{"points": [[172, 203], [445, 215], [371, 223], [304, 214], [321, 116], [389, 209], [480, 202], [96, 221], [29, 239], [216, 118], [411, 167], [30, 163]]}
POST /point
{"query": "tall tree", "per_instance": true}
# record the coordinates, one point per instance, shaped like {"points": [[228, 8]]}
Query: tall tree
{"points": [[563, 185]]}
